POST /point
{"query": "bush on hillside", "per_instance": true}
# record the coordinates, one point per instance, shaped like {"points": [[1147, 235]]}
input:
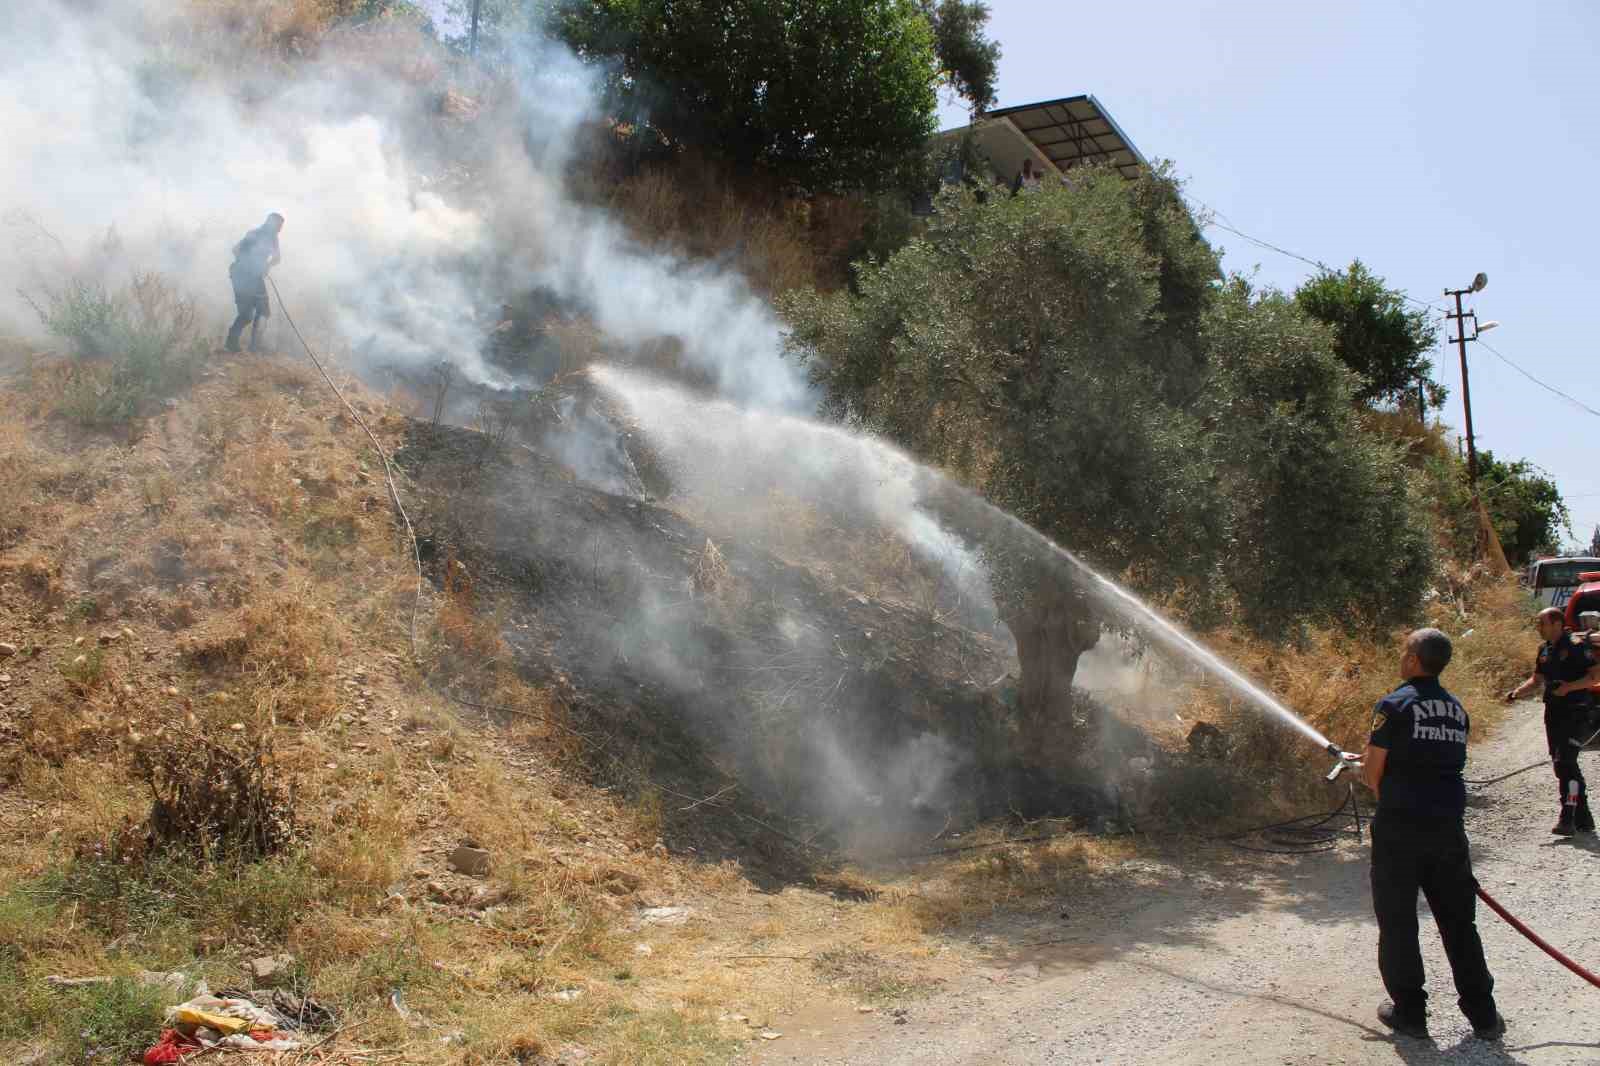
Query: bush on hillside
{"points": [[135, 346]]}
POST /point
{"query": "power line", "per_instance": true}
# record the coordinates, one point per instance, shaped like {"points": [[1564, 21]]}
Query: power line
{"points": [[1317, 263], [1272, 247], [1548, 388]]}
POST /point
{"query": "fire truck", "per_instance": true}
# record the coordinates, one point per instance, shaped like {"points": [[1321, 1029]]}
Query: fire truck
{"points": [[1583, 606]]}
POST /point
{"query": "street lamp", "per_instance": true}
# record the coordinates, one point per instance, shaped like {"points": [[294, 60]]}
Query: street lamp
{"points": [[1461, 339]]}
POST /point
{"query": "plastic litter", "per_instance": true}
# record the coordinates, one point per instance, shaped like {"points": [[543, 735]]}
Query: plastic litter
{"points": [[238, 1022]]}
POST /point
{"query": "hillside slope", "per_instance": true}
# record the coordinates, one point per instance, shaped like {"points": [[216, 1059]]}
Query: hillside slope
{"points": [[220, 594]]}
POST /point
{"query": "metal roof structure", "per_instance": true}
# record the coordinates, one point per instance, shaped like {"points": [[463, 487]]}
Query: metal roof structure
{"points": [[1056, 134], [1073, 130]]}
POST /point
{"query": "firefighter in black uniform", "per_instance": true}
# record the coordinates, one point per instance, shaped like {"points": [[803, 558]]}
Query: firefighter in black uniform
{"points": [[255, 254], [1413, 762], [1567, 666]]}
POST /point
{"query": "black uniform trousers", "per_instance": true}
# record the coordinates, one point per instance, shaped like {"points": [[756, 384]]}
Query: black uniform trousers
{"points": [[1566, 727], [1428, 854], [250, 299]]}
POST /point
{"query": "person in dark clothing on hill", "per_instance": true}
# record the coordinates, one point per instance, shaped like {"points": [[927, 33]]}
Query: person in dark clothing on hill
{"points": [[253, 256], [1413, 762], [1567, 665]]}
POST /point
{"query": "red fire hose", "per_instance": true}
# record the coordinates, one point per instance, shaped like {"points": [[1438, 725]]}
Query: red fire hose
{"points": [[1516, 924]]}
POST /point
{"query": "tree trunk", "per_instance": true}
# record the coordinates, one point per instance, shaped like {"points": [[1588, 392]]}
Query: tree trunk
{"points": [[1052, 629]]}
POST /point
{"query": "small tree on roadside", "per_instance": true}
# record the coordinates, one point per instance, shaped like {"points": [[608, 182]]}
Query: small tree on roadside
{"points": [[1524, 504]]}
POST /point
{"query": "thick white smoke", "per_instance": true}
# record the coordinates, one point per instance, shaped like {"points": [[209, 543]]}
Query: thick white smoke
{"points": [[404, 227]]}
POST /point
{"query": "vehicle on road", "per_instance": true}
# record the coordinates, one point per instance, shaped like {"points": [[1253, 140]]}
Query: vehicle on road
{"points": [[1553, 581]]}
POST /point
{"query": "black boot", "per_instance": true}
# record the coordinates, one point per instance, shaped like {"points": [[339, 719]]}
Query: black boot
{"points": [[1564, 826], [1407, 1023], [1583, 821], [1493, 1030]]}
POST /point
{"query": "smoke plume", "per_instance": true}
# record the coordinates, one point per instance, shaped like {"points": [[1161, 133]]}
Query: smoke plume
{"points": [[420, 192]]}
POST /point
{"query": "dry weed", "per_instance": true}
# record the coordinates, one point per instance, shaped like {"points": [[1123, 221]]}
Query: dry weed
{"points": [[214, 800], [1333, 679]]}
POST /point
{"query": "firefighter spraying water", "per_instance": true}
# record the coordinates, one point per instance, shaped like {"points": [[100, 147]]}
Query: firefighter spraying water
{"points": [[1413, 763]]}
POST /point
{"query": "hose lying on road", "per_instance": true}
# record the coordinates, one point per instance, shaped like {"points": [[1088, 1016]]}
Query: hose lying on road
{"points": [[1538, 941], [1304, 835]]}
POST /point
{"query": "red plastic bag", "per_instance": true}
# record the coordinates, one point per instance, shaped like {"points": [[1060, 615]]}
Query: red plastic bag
{"points": [[171, 1048]]}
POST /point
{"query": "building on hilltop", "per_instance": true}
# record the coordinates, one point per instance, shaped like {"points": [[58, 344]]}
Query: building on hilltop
{"points": [[1053, 135]]}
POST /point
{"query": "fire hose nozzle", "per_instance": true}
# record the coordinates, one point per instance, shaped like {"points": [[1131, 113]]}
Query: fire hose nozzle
{"points": [[1346, 760]]}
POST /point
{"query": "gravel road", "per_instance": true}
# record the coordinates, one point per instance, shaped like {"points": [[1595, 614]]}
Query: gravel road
{"points": [[1261, 959]]}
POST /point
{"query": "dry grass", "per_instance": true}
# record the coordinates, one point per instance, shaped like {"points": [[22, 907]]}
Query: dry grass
{"points": [[1332, 680], [777, 241], [1007, 877], [256, 588]]}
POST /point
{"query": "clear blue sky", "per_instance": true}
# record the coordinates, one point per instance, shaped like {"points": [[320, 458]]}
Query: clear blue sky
{"points": [[1430, 140]]}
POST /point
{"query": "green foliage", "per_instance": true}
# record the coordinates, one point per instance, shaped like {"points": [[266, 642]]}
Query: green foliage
{"points": [[171, 896], [969, 60], [1525, 506], [1375, 334], [1027, 345], [88, 673], [1321, 523], [135, 346], [107, 1023], [831, 93], [1070, 355]]}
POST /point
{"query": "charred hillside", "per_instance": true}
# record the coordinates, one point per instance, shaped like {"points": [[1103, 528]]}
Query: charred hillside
{"points": [[694, 663]]}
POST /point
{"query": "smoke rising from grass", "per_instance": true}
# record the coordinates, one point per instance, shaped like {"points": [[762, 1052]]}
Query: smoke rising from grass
{"points": [[420, 192]]}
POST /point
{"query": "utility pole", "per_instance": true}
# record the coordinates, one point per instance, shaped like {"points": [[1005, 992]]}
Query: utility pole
{"points": [[1461, 340]]}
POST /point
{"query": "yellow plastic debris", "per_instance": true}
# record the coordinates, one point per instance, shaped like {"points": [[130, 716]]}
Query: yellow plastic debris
{"points": [[220, 1022]]}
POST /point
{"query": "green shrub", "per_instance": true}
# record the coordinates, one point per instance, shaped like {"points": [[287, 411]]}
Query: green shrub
{"points": [[135, 346], [174, 894], [110, 1022]]}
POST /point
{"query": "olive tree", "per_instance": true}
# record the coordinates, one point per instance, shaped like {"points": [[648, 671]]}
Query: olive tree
{"points": [[1322, 522], [1374, 334], [1077, 358], [1031, 347]]}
